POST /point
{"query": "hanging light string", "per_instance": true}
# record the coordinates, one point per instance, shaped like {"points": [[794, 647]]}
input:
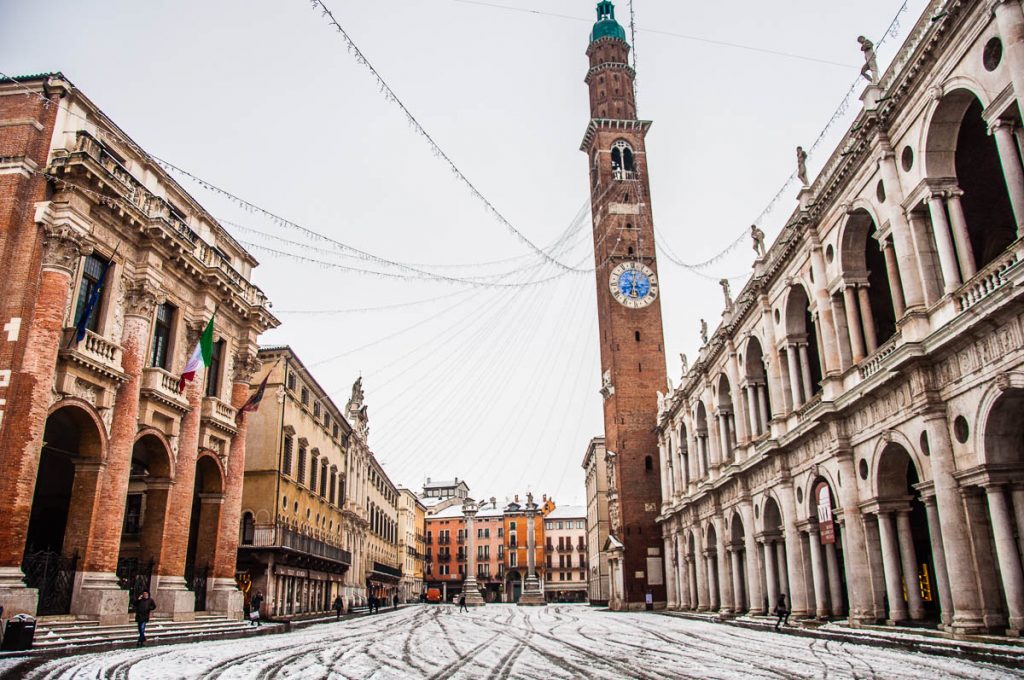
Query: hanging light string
{"points": [[392, 97], [891, 32]]}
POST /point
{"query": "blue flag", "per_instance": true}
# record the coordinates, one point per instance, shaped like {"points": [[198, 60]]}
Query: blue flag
{"points": [[90, 306]]}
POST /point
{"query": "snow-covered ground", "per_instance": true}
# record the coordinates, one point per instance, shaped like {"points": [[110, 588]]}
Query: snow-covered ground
{"points": [[504, 641]]}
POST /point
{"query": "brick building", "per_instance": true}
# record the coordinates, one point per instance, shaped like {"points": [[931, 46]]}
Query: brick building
{"points": [[110, 479]]}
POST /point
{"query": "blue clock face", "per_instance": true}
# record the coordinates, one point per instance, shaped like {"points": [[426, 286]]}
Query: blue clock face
{"points": [[634, 284]]}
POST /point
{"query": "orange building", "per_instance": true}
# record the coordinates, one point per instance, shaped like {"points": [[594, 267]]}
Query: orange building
{"points": [[515, 546], [447, 543]]}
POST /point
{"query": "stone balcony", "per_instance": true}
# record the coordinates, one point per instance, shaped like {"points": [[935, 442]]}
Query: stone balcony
{"points": [[90, 369], [162, 386], [217, 414]]}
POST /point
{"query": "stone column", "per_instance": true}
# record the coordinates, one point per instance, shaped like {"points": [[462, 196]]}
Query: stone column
{"points": [[794, 375], [532, 596], [870, 336], [1008, 556], [961, 237], [223, 595], [947, 254], [714, 592], [1017, 494], [755, 597], [691, 576], [782, 569], [23, 429], [829, 351], [737, 578], [701, 576], [688, 600], [100, 597], [853, 324], [1002, 130], [751, 392], [891, 566], [665, 469], [470, 589], [835, 586], [723, 436], [818, 573], [725, 597], [671, 588], [797, 584], [762, 405], [905, 260], [893, 273], [770, 574], [805, 370], [855, 555], [939, 557], [908, 557], [920, 230], [965, 598]]}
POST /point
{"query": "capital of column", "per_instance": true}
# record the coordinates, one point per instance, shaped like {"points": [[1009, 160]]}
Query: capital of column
{"points": [[62, 247], [141, 298], [244, 366], [1001, 124]]}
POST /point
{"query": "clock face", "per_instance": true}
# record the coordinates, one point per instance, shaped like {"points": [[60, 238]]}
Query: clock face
{"points": [[633, 285]]}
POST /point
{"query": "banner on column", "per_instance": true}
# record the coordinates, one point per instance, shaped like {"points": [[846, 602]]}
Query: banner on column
{"points": [[825, 523]]}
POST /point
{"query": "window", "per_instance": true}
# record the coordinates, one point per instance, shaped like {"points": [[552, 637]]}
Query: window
{"points": [[305, 397], [323, 479], [133, 514], [286, 457], [622, 160], [648, 463], [248, 529], [213, 372], [512, 559], [92, 271], [334, 431], [291, 381], [314, 464], [162, 335], [511, 526], [301, 477], [334, 485], [316, 409], [501, 532]]}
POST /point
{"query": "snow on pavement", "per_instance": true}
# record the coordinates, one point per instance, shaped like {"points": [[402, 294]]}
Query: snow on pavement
{"points": [[508, 642]]}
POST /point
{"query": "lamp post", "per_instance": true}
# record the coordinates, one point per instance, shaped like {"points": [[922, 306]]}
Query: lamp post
{"points": [[469, 587], [531, 589]]}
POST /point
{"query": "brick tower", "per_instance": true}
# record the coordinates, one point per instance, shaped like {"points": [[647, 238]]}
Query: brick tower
{"points": [[629, 311]]}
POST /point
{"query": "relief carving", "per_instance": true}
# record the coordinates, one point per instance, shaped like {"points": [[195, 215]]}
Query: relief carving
{"points": [[141, 298], [62, 248]]}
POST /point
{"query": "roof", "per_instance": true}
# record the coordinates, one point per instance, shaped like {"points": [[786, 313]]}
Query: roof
{"points": [[444, 484], [568, 512], [606, 26], [455, 511]]}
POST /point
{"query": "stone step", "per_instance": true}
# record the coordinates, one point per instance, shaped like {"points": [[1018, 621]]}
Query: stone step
{"points": [[48, 637], [95, 625]]}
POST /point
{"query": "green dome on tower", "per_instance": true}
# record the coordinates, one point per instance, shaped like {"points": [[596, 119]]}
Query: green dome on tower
{"points": [[606, 26]]}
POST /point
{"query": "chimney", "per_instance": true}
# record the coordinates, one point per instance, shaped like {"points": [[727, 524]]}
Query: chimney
{"points": [[494, 502], [428, 480]]}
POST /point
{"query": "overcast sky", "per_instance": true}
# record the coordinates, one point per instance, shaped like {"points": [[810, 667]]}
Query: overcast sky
{"points": [[496, 385]]}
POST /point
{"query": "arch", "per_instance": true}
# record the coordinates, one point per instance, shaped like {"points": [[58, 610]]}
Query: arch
{"points": [[754, 365], [999, 428], [622, 156], [800, 328], [943, 125], [209, 472], [711, 537], [771, 515], [736, 531], [890, 442], [154, 452], [70, 414], [895, 470], [248, 528], [724, 392], [862, 260], [810, 503]]}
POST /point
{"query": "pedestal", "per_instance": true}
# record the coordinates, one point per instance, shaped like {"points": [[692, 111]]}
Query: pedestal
{"points": [[225, 598], [472, 592], [532, 596], [99, 597], [173, 597], [16, 597]]}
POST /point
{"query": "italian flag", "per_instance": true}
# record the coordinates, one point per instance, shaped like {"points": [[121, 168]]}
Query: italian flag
{"points": [[201, 357]]}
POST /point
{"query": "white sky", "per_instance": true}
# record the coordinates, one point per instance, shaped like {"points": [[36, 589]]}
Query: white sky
{"points": [[495, 386]]}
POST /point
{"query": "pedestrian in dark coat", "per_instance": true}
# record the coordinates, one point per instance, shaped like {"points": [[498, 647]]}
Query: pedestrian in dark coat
{"points": [[781, 611], [373, 604], [338, 606], [143, 606], [462, 603], [254, 605], [395, 599]]}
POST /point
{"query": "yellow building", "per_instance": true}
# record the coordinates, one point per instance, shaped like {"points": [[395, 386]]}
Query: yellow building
{"points": [[412, 515], [382, 566]]}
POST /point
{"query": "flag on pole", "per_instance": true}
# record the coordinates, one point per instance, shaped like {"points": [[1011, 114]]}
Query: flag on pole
{"points": [[201, 357], [253, 402], [90, 307]]}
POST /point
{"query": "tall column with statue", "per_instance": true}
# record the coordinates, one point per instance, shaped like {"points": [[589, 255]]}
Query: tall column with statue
{"points": [[532, 595], [470, 589]]}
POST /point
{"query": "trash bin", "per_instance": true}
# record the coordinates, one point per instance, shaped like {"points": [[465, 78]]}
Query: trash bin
{"points": [[18, 634]]}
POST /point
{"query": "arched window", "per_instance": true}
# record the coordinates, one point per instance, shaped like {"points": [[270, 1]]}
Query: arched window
{"points": [[622, 161], [248, 528]]}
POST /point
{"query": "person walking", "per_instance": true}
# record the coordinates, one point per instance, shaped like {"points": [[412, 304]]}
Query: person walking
{"points": [[395, 601], [781, 611], [373, 604], [462, 604], [338, 606], [254, 606], [143, 606]]}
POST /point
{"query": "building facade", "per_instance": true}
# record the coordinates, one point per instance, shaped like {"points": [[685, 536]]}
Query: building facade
{"points": [[516, 547], [411, 544], [113, 480], [595, 468], [565, 554], [851, 434], [629, 309], [383, 565], [294, 531]]}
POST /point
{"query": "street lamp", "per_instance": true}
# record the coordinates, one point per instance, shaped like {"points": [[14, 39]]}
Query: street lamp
{"points": [[470, 590], [531, 589]]}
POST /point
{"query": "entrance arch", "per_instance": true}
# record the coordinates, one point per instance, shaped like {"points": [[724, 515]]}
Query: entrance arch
{"points": [[864, 266], [207, 497], [803, 360]]}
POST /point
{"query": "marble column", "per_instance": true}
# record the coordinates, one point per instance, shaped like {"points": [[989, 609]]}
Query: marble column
{"points": [[920, 230], [751, 391], [714, 592], [736, 553], [944, 243], [961, 237], [1002, 130], [855, 553], [867, 319], [794, 375], [906, 257], [762, 405], [701, 576], [835, 586], [1008, 555], [893, 273], [671, 591], [723, 436], [818, 573], [841, 331], [771, 577], [853, 324], [664, 464], [805, 370], [1017, 494], [908, 559], [941, 576], [754, 593], [782, 570], [794, 564], [891, 566], [691, 576], [725, 591]]}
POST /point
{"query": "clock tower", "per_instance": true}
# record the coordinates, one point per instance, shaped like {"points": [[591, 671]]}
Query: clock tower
{"points": [[629, 309]]}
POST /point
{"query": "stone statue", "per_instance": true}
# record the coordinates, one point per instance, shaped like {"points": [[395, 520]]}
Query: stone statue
{"points": [[704, 331], [724, 283], [801, 165], [870, 68], [357, 391], [758, 236], [685, 363], [671, 387]]}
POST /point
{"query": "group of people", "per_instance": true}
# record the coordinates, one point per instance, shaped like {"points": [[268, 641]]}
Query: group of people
{"points": [[374, 602]]}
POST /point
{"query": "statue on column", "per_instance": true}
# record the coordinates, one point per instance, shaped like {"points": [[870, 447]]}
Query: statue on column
{"points": [[703, 331], [758, 237], [801, 166], [685, 363], [724, 283], [870, 68]]}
